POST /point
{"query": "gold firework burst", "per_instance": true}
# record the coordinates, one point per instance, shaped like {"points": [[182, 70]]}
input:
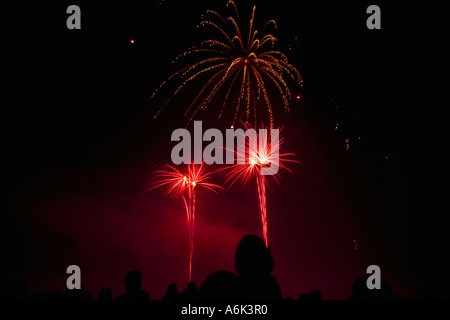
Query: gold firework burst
{"points": [[239, 67]]}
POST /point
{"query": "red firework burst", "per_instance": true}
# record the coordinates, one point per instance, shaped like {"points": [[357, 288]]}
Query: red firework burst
{"points": [[251, 159], [179, 184]]}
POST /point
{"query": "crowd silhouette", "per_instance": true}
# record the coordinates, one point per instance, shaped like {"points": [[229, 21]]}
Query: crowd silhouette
{"points": [[253, 281]]}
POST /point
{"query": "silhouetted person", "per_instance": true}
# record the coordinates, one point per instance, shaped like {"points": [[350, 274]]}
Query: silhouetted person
{"points": [[254, 263], [133, 291], [313, 295], [362, 292], [191, 291], [77, 294], [172, 292], [105, 294], [221, 285]]}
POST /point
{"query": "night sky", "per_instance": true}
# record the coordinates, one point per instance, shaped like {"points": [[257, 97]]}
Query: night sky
{"points": [[81, 145]]}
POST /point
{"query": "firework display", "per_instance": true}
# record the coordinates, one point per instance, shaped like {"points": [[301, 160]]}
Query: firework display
{"points": [[229, 157], [238, 67]]}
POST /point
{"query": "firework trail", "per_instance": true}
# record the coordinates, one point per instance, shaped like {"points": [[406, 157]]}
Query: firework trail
{"points": [[239, 67], [251, 158], [183, 185]]}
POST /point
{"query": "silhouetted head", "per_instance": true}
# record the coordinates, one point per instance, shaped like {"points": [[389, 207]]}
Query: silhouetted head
{"points": [[192, 285], [313, 295], [191, 291], [133, 280], [221, 285], [172, 289], [105, 294], [253, 257]]}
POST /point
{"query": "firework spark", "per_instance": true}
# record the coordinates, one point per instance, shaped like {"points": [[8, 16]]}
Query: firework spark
{"points": [[251, 159], [183, 185], [239, 67]]}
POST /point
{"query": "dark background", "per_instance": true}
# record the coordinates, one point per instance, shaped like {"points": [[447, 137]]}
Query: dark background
{"points": [[80, 145]]}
